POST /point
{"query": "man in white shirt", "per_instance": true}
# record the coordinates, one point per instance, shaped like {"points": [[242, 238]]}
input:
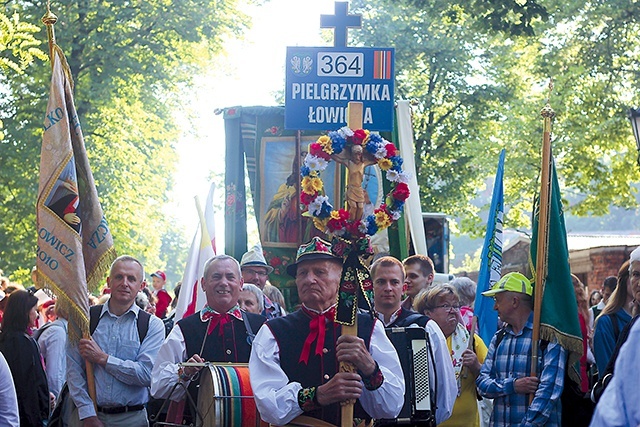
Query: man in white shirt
{"points": [[294, 358], [387, 274]]}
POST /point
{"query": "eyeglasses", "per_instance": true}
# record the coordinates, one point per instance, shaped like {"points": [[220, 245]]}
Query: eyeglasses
{"points": [[257, 273], [448, 307]]}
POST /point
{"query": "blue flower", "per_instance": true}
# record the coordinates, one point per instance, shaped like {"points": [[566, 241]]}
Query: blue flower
{"points": [[337, 142], [375, 137], [325, 210], [371, 146], [304, 170], [372, 228], [397, 163]]}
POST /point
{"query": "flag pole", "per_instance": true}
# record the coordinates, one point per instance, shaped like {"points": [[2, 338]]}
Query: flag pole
{"points": [[49, 19], [543, 230]]}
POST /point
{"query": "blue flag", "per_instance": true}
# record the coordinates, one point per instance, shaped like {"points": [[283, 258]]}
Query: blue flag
{"points": [[491, 260]]}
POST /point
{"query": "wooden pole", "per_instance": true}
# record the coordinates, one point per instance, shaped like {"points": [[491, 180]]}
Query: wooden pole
{"points": [[543, 233], [354, 121]]}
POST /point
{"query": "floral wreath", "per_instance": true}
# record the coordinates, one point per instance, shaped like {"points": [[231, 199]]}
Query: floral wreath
{"points": [[337, 222]]}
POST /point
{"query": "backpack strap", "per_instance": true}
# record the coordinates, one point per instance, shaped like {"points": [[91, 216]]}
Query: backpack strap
{"points": [[615, 322], [500, 335], [142, 323], [417, 318], [94, 317]]}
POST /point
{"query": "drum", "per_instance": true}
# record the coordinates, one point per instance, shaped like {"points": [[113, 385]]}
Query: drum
{"points": [[225, 398]]}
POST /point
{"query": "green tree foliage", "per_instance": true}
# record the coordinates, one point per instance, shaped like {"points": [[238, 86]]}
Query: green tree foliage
{"points": [[479, 73], [130, 61], [18, 45], [18, 48]]}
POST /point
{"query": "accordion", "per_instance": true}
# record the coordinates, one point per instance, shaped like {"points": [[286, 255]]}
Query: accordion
{"points": [[413, 347]]}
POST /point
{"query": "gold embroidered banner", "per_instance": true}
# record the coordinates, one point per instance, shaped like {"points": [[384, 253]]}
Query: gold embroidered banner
{"points": [[75, 247]]}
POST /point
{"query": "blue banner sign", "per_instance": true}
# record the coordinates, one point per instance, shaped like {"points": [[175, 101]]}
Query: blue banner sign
{"points": [[321, 81]]}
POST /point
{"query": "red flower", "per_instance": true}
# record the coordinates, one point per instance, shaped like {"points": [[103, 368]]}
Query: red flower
{"points": [[335, 224], [391, 150], [307, 198], [315, 149], [401, 192], [273, 130], [359, 136], [348, 286], [352, 228], [275, 262], [344, 214], [381, 208]]}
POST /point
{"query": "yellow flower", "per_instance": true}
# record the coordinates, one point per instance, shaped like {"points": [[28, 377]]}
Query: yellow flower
{"points": [[325, 143], [382, 219], [316, 183], [366, 139], [385, 164], [335, 214], [311, 184]]}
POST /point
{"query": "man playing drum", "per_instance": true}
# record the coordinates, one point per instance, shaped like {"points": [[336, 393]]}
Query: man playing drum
{"points": [[220, 332], [294, 359]]}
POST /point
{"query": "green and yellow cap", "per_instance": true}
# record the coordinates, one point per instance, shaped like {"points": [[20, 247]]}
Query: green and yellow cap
{"points": [[514, 282]]}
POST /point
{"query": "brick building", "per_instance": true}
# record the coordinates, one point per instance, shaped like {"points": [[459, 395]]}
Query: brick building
{"points": [[592, 257]]}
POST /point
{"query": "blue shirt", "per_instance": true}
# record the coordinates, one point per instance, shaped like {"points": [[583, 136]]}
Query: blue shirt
{"points": [[604, 338], [512, 360], [126, 378]]}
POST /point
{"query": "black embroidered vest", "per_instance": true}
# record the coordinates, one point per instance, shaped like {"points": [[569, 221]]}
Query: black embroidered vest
{"points": [[233, 346], [291, 332]]}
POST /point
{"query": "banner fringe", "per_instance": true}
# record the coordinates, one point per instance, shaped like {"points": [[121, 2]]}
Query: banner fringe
{"points": [[571, 343]]}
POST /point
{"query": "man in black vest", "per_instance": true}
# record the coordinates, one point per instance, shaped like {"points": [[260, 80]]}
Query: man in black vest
{"points": [[294, 359], [220, 332], [387, 274]]}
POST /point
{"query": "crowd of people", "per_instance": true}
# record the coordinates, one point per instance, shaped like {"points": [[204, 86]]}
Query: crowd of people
{"points": [[138, 351]]}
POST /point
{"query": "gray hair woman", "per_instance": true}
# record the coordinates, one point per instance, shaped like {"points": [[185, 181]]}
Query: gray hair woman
{"points": [[442, 303], [251, 299]]}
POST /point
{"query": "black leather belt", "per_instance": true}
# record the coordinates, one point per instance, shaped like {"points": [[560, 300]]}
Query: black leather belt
{"points": [[119, 409]]}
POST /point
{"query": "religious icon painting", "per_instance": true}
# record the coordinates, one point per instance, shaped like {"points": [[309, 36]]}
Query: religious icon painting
{"points": [[278, 211]]}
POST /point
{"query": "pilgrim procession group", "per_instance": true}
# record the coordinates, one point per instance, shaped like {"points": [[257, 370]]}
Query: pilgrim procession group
{"points": [[293, 359]]}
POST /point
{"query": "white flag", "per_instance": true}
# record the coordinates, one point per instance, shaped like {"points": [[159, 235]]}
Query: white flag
{"points": [[192, 298]]}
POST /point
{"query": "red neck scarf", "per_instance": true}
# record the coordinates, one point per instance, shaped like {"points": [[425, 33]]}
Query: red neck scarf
{"points": [[317, 330], [216, 319]]}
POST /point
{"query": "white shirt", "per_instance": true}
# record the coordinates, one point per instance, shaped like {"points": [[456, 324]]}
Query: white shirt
{"points": [[164, 374], [618, 406], [53, 343], [277, 397], [446, 386], [8, 402]]}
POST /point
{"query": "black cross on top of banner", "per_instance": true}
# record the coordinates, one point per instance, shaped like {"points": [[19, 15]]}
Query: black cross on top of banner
{"points": [[340, 22]]}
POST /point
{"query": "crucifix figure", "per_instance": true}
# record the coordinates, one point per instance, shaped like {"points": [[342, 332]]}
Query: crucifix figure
{"points": [[355, 161]]}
